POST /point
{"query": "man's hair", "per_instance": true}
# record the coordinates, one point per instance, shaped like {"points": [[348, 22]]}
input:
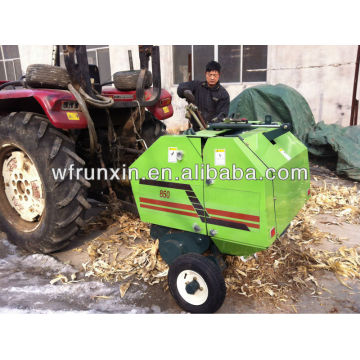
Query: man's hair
{"points": [[213, 66]]}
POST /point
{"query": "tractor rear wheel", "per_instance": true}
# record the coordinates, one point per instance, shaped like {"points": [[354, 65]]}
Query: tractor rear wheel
{"points": [[37, 211], [196, 283]]}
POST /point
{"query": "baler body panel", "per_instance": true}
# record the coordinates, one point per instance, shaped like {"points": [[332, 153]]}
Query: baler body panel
{"points": [[170, 202], [236, 202], [242, 216], [288, 153]]}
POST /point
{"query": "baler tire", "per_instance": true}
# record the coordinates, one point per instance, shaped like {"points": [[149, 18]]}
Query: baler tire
{"points": [[208, 273], [47, 76], [41, 147], [126, 80]]}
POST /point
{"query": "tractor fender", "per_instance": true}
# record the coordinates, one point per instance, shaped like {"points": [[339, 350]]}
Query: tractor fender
{"points": [[59, 106], [163, 109]]}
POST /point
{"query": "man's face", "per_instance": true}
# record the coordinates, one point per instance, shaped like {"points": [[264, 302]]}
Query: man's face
{"points": [[212, 77]]}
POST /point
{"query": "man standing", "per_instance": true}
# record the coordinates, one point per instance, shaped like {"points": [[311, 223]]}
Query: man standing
{"points": [[211, 98]]}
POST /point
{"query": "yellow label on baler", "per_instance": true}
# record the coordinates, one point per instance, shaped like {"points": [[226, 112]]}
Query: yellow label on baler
{"points": [[172, 152], [73, 116], [219, 157], [166, 109]]}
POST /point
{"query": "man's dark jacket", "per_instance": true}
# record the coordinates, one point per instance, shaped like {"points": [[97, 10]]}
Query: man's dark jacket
{"points": [[213, 102]]}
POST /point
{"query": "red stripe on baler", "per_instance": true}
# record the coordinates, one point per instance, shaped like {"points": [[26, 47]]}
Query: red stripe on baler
{"points": [[255, 226], [179, 212], [167, 203], [233, 215]]}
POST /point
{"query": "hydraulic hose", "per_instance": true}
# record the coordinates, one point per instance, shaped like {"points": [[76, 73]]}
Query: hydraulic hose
{"points": [[12, 83], [90, 123], [104, 102]]}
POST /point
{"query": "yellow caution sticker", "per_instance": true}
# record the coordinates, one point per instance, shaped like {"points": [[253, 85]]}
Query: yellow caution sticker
{"points": [[166, 109], [73, 115]]}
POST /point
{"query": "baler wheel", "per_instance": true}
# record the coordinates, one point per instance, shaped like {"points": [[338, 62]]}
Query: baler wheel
{"points": [[38, 212], [47, 76], [126, 80], [196, 283]]}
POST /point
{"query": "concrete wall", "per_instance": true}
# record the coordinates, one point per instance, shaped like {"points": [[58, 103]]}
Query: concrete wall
{"points": [[322, 74], [35, 54]]}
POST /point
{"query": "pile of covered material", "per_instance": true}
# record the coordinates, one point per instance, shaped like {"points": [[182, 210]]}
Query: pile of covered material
{"points": [[274, 274], [286, 105]]}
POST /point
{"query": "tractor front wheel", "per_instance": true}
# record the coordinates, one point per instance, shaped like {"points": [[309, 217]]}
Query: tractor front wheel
{"points": [[41, 203], [196, 283]]}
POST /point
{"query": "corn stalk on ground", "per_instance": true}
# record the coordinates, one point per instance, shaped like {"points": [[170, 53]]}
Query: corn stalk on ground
{"points": [[278, 274]]}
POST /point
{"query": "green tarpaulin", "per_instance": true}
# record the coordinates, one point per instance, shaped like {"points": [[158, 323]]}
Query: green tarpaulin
{"points": [[285, 104]]}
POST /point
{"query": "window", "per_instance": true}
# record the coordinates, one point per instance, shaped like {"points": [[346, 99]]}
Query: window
{"points": [[202, 55], [182, 63], [97, 55], [10, 66], [239, 63]]}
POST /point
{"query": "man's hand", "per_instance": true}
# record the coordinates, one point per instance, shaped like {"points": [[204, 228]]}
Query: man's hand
{"points": [[189, 96]]}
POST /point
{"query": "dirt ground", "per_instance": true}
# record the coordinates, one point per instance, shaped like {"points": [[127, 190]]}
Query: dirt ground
{"points": [[25, 280]]}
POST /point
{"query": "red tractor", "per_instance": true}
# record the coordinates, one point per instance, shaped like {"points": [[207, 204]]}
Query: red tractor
{"points": [[63, 121]]}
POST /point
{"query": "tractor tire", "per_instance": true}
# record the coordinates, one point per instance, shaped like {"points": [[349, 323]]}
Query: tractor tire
{"points": [[47, 76], [38, 212], [191, 270], [126, 80], [152, 129]]}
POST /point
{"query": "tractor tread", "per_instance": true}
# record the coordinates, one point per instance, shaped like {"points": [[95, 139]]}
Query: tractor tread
{"points": [[71, 218], [73, 155], [70, 196], [42, 129], [62, 135], [47, 249], [62, 237], [60, 179], [80, 222], [81, 199], [84, 182], [65, 199], [28, 117], [55, 148]]}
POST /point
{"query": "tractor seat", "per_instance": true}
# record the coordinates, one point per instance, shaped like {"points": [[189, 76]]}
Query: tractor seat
{"points": [[127, 80]]}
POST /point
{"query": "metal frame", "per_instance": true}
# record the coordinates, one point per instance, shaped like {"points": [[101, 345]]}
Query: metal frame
{"points": [[355, 102]]}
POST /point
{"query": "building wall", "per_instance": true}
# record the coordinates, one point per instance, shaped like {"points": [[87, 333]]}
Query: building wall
{"points": [[37, 54], [324, 75]]}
